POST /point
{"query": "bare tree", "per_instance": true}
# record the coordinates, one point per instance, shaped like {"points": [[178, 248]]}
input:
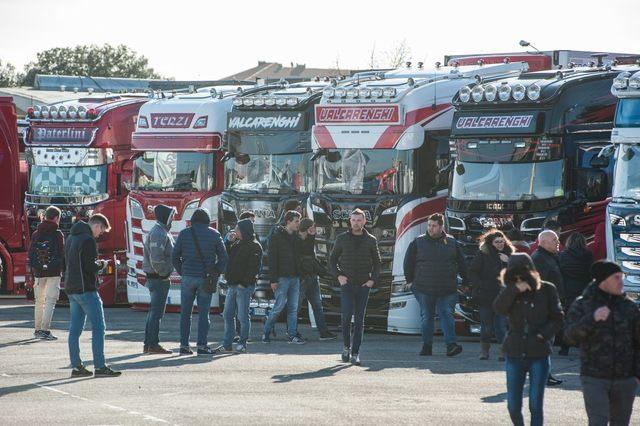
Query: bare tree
{"points": [[373, 58], [398, 55]]}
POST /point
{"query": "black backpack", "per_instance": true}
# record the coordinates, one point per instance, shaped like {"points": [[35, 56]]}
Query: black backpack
{"points": [[44, 253]]}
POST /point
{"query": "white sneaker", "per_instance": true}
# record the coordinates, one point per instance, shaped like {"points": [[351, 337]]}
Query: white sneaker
{"points": [[241, 349]]}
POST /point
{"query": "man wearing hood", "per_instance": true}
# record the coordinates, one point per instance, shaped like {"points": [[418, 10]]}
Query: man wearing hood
{"points": [[82, 266], [198, 252], [606, 324], [46, 259], [156, 264], [245, 259]]}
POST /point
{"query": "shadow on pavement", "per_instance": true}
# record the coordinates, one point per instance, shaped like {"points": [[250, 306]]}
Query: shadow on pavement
{"points": [[323, 372]]}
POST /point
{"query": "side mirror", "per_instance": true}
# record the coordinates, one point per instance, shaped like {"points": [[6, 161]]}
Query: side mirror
{"points": [[592, 184], [601, 160]]}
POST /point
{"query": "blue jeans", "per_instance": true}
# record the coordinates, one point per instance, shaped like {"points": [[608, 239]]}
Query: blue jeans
{"points": [[81, 306], [287, 294], [311, 291], [237, 302], [158, 291], [491, 323], [353, 302], [517, 369], [191, 288], [445, 305]]}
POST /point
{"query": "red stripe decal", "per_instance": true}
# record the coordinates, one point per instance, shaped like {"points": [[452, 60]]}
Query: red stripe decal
{"points": [[420, 213], [323, 137]]}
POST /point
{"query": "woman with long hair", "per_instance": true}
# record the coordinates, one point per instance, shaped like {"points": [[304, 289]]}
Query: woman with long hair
{"points": [[533, 309], [492, 258]]}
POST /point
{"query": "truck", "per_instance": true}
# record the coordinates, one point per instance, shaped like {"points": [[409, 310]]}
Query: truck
{"points": [[623, 212], [14, 235], [268, 163], [381, 144], [79, 158], [527, 150], [178, 147]]}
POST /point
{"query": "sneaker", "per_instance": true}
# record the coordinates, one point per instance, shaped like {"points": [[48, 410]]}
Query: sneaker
{"points": [[236, 339], [355, 359], [453, 349], [297, 339], [224, 349], [46, 335], [206, 351], [106, 372], [327, 335], [37, 334], [241, 349], [265, 339], [426, 350], [186, 351], [81, 371], [157, 349], [552, 381], [346, 353]]}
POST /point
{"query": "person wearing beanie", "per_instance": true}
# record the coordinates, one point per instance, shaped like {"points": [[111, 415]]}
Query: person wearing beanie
{"points": [[198, 252], [310, 268], [534, 314], [245, 260], [605, 322]]}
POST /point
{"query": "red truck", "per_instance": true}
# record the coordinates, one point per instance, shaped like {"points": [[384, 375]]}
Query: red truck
{"points": [[14, 238], [80, 159]]}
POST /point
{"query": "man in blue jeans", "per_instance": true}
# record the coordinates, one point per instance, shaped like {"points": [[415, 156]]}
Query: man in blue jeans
{"points": [[156, 264], [82, 265], [198, 251], [285, 276], [431, 267]]}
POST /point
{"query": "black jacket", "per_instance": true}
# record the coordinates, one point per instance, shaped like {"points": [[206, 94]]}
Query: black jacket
{"points": [[608, 349], [309, 265], [81, 258], [575, 267], [484, 274], [548, 266], [245, 259], [529, 314], [50, 230], [356, 257], [433, 265], [283, 255]]}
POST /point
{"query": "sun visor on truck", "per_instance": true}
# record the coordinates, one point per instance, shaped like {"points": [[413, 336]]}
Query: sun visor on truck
{"points": [[476, 124], [274, 132]]}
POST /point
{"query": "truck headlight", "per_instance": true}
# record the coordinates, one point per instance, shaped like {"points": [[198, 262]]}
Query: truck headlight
{"points": [[490, 92], [136, 210], [464, 94], [477, 93], [227, 207], [390, 210], [388, 233], [399, 287], [617, 220], [533, 92], [518, 92]]}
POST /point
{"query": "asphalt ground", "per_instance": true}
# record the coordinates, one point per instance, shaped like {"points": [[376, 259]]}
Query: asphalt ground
{"points": [[276, 383]]}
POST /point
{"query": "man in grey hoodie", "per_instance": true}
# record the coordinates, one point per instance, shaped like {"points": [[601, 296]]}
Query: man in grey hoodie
{"points": [[156, 264]]}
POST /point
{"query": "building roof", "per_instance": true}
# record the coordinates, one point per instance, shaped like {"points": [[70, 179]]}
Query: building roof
{"points": [[274, 71]]}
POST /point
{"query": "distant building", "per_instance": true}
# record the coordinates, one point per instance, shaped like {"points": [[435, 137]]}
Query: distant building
{"points": [[274, 71]]}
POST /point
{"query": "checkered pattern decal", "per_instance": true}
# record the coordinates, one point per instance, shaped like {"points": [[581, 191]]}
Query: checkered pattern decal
{"points": [[68, 180]]}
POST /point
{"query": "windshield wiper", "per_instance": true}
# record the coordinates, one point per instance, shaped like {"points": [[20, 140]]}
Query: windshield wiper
{"points": [[625, 200], [244, 190]]}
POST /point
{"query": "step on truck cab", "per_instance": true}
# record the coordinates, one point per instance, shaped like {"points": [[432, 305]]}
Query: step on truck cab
{"points": [[268, 163], [381, 145], [79, 156], [623, 212], [178, 146]]}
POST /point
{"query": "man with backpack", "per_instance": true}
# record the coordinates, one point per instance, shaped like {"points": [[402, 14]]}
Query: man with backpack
{"points": [[46, 258]]}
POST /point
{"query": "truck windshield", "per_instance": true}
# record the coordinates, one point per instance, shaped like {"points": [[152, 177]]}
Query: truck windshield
{"points": [[364, 171], [174, 171], [507, 181], [627, 175], [628, 113], [268, 173], [68, 181]]}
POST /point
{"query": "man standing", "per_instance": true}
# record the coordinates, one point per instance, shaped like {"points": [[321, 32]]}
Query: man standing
{"points": [[46, 259], [547, 263], [431, 267], [285, 277], [355, 262], [82, 265], [310, 268], [606, 324], [198, 254], [156, 264]]}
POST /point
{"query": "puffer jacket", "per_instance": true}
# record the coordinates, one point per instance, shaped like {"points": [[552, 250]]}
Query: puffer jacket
{"points": [[575, 267], [484, 274], [283, 255], [548, 266], [81, 259], [609, 349], [158, 245], [433, 265], [530, 314], [309, 265], [356, 257]]}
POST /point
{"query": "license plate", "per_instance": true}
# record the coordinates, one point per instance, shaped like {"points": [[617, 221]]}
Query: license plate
{"points": [[259, 311]]}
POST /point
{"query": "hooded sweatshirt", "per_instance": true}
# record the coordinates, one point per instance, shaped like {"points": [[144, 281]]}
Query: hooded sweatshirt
{"points": [[48, 229], [245, 257], [81, 258], [158, 245]]}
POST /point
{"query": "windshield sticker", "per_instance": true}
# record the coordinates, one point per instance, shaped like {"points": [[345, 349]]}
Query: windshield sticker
{"points": [[284, 120]]}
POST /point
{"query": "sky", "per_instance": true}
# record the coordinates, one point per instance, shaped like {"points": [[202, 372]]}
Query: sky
{"points": [[190, 39]]}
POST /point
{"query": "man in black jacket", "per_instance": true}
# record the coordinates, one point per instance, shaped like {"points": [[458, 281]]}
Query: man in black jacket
{"points": [[82, 265], [355, 262], [285, 277], [606, 324], [431, 267], [546, 261]]}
